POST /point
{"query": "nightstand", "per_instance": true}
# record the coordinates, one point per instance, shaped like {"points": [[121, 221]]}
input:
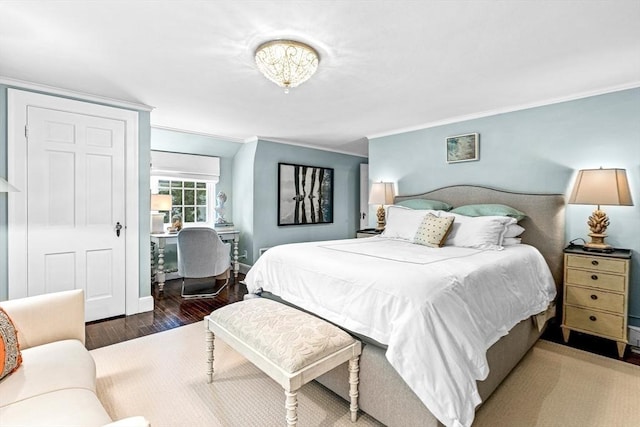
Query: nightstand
{"points": [[596, 289], [367, 232]]}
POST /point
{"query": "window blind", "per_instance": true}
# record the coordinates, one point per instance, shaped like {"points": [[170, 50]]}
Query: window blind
{"points": [[185, 166]]}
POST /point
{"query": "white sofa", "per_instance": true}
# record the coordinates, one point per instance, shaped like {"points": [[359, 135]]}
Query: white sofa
{"points": [[56, 383]]}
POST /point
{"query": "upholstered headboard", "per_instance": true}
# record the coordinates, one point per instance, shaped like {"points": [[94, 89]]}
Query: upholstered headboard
{"points": [[544, 223]]}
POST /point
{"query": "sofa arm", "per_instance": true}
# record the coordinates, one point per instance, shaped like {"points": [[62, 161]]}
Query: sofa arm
{"points": [[129, 422], [47, 318]]}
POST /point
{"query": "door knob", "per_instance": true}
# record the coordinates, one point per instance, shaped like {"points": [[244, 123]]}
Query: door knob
{"points": [[118, 228]]}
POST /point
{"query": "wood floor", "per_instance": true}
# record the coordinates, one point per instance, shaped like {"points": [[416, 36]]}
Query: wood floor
{"points": [[171, 311]]}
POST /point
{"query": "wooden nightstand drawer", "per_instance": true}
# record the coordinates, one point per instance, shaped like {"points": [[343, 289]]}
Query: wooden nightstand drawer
{"points": [[595, 279], [590, 298], [597, 264], [595, 321], [596, 287]]}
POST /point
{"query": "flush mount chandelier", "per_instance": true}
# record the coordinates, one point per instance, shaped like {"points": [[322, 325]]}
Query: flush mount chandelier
{"points": [[287, 63]]}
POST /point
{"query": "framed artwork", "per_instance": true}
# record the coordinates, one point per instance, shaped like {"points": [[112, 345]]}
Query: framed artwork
{"points": [[305, 194], [463, 148]]}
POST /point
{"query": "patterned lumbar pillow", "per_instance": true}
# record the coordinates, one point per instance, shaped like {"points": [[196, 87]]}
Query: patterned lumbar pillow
{"points": [[433, 231], [10, 357]]}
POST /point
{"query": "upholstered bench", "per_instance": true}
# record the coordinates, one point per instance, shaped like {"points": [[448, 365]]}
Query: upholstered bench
{"points": [[290, 346]]}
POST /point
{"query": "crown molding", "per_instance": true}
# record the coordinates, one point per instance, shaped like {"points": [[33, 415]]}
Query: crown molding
{"points": [[208, 135], [37, 87], [511, 109], [314, 147]]}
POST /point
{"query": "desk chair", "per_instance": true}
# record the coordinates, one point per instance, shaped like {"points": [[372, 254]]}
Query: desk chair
{"points": [[201, 254]]}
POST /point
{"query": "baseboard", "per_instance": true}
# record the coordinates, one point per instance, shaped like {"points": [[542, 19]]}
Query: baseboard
{"points": [[145, 304]]}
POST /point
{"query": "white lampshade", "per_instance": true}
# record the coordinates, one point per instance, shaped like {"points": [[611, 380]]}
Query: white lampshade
{"points": [[382, 193], [601, 187], [161, 202]]}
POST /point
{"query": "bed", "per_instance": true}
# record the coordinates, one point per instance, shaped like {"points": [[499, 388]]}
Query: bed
{"points": [[412, 374]]}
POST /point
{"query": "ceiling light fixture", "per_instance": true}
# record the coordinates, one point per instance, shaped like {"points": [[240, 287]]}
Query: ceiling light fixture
{"points": [[287, 63]]}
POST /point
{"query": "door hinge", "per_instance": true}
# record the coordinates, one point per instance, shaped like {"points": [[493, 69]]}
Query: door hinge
{"points": [[26, 131]]}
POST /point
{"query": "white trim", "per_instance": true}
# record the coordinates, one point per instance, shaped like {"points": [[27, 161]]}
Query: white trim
{"points": [[314, 147], [17, 202], [208, 135], [510, 109], [145, 304], [22, 84]]}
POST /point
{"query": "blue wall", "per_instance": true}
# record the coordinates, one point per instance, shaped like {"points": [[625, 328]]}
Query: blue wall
{"points": [[537, 150], [346, 193]]}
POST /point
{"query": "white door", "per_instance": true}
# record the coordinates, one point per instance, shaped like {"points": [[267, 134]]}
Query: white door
{"points": [[364, 196], [75, 178], [63, 225]]}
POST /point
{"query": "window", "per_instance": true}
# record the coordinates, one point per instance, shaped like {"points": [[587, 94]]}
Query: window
{"points": [[190, 199], [191, 181]]}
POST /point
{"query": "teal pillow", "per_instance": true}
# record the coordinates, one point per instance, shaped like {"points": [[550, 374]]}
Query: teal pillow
{"points": [[425, 204], [490, 209]]}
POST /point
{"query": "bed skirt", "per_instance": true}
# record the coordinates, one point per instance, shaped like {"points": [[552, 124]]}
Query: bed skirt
{"points": [[386, 397]]}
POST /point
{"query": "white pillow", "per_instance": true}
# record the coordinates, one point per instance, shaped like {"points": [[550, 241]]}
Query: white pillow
{"points": [[510, 241], [513, 230], [481, 232], [402, 223]]}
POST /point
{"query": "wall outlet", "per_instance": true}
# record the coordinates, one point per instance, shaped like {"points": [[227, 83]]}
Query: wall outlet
{"points": [[634, 336]]}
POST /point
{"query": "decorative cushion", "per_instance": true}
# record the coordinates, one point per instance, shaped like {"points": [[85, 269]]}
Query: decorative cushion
{"points": [[10, 357], [288, 337], [433, 231], [490, 209], [425, 204]]}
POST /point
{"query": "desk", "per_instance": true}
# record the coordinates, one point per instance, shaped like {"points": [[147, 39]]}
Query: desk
{"points": [[161, 239]]}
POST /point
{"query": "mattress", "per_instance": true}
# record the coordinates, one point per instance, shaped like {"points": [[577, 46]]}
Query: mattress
{"points": [[436, 309]]}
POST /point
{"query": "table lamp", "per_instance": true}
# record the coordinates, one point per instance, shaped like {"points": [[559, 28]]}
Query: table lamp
{"points": [[381, 194], [600, 187], [159, 202]]}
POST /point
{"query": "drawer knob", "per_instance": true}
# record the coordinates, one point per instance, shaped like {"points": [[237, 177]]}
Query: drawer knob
{"points": [[594, 262], [594, 297], [592, 318], [594, 277]]}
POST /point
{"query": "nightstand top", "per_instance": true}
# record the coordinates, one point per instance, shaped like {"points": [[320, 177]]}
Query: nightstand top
{"points": [[617, 252], [370, 231]]}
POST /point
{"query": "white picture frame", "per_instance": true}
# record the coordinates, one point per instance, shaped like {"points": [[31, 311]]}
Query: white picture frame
{"points": [[463, 148]]}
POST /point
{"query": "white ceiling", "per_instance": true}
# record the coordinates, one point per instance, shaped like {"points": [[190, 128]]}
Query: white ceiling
{"points": [[385, 66]]}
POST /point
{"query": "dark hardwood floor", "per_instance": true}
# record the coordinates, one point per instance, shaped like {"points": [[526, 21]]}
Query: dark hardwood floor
{"points": [[590, 343], [171, 311]]}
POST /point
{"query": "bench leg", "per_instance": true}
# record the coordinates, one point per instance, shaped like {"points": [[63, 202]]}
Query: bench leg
{"points": [[209, 338], [291, 405], [354, 379]]}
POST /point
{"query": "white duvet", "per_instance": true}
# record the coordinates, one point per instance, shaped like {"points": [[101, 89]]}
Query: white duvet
{"points": [[437, 309]]}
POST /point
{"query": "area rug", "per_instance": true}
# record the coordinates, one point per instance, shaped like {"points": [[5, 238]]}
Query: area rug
{"points": [[162, 377]]}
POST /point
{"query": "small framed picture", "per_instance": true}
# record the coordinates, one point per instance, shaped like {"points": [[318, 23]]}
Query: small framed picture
{"points": [[463, 148]]}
